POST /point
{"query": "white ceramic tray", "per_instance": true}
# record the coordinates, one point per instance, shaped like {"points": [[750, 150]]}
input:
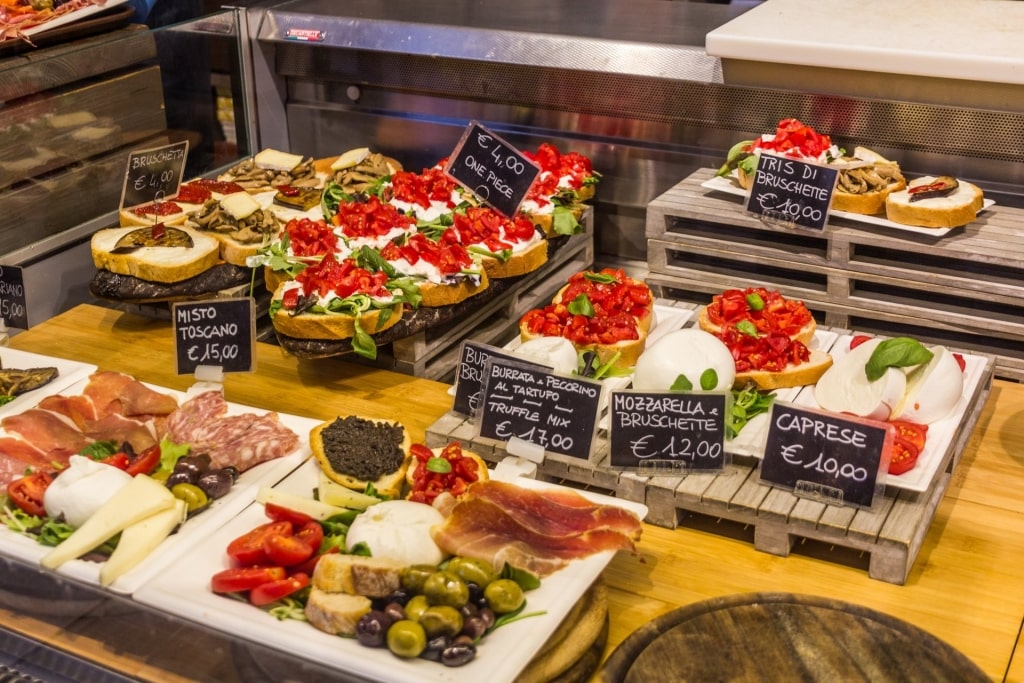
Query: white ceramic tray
{"points": [[71, 17], [184, 590], [68, 372], [194, 529], [723, 184]]}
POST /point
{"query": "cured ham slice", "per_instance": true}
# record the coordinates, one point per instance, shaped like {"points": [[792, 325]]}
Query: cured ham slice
{"points": [[79, 409], [495, 528], [116, 392], [120, 429], [49, 432], [244, 440]]}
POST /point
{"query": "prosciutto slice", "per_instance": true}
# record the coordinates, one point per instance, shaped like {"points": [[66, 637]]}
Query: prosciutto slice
{"points": [[49, 432], [116, 392], [499, 523]]}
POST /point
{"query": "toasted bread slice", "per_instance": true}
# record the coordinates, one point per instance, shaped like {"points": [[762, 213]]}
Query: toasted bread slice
{"points": [[336, 613], [164, 264], [374, 577], [951, 211], [350, 449], [170, 213], [793, 376], [435, 294], [520, 263], [332, 325], [629, 350], [805, 335]]}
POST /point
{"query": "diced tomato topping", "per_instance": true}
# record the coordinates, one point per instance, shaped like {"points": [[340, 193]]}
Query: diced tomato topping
{"points": [[157, 209], [422, 189], [447, 255], [555, 320], [192, 193], [795, 139], [771, 352], [484, 226], [370, 218], [778, 313], [428, 485], [555, 166], [343, 278], [311, 238], [622, 295], [218, 186]]}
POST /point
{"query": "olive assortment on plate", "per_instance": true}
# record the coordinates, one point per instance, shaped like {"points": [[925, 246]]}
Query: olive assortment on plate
{"points": [[197, 483]]}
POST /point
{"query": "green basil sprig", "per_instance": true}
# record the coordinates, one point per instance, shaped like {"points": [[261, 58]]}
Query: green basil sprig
{"points": [[898, 352]]}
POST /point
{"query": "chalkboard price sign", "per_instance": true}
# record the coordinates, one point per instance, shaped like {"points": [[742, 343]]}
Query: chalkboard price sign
{"points": [[792, 192], [219, 333], [830, 457], [469, 375], [492, 169], [154, 174], [13, 308], [668, 430], [555, 412]]}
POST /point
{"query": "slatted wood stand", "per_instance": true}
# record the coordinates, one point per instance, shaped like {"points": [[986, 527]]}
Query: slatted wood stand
{"points": [[890, 534], [964, 289]]}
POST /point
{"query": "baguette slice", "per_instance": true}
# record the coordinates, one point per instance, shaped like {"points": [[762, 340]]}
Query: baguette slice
{"points": [[805, 335], [155, 264], [336, 613], [435, 294], [863, 189], [520, 263], [646, 322], [332, 456], [374, 577], [138, 216], [331, 326], [793, 376], [956, 209]]}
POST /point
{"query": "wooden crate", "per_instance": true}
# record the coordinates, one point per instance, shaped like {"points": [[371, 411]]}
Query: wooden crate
{"points": [[735, 503], [962, 289]]}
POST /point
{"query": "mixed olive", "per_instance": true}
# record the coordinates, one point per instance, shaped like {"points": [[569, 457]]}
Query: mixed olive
{"points": [[441, 613], [196, 482]]}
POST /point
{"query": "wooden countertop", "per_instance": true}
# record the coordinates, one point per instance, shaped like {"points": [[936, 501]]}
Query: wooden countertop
{"points": [[967, 587]]}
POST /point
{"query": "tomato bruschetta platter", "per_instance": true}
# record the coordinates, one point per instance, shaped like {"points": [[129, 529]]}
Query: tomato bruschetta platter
{"points": [[108, 479]]}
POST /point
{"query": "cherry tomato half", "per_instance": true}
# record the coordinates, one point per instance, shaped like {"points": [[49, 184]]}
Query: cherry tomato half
{"points": [[27, 492], [239, 579], [248, 550], [275, 590], [145, 462], [903, 458], [286, 549], [911, 432], [279, 513]]}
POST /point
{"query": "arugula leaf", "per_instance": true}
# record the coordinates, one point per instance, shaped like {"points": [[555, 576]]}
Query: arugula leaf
{"points": [[563, 221], [362, 343]]}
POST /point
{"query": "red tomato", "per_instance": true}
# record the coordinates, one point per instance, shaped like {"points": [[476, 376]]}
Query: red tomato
{"points": [[239, 579], [858, 340], [275, 590], [27, 492], [118, 460], [144, 462], [959, 358], [279, 513], [248, 550], [911, 432], [312, 534], [903, 458], [286, 549]]}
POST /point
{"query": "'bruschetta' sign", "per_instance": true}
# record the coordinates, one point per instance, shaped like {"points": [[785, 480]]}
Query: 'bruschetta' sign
{"points": [[492, 169], [792, 192]]}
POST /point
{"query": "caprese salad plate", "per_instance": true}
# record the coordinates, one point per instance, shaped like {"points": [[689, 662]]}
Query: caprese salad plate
{"points": [[183, 589]]}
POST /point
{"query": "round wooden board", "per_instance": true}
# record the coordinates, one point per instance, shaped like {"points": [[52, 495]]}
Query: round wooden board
{"points": [[780, 636]]}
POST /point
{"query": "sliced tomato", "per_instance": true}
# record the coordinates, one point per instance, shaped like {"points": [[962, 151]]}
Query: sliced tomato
{"points": [[312, 534], [267, 593], [959, 358], [279, 513], [903, 458], [238, 579], [286, 549], [144, 462], [858, 340], [911, 432], [27, 492], [118, 460], [248, 550]]}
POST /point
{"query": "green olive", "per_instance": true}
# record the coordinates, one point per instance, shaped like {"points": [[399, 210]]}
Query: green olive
{"points": [[472, 570], [446, 588], [406, 638], [415, 576], [504, 595], [195, 498], [439, 620], [414, 608]]}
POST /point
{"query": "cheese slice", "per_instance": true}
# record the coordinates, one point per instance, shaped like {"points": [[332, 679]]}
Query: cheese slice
{"points": [[350, 158], [140, 539], [274, 160], [333, 493], [137, 500], [307, 506], [240, 205]]}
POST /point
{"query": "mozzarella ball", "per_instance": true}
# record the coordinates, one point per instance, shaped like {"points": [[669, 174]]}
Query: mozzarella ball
{"points": [[398, 530], [844, 388], [690, 352], [80, 490], [554, 352], [933, 389]]}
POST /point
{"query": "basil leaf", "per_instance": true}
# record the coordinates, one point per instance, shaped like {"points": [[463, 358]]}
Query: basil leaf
{"points": [[748, 328], [898, 352], [563, 221], [581, 306], [362, 343], [439, 465], [708, 379], [600, 278], [755, 301], [681, 384]]}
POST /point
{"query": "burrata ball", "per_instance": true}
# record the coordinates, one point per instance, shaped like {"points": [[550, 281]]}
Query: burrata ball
{"points": [[398, 530], [554, 352], [845, 388], [691, 353], [81, 489], [933, 388]]}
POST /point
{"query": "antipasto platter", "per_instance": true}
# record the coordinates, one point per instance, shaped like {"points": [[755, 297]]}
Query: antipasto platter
{"points": [[55, 406], [183, 590], [58, 373]]}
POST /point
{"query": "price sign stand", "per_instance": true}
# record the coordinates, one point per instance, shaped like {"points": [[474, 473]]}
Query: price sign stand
{"points": [[219, 333], [839, 460], [13, 302], [791, 192], [521, 401], [469, 374], [668, 433], [492, 169], [154, 174]]}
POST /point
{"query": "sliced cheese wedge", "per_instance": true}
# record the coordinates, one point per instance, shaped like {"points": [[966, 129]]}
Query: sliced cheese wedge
{"points": [[240, 205], [140, 539], [933, 389], [137, 500], [350, 158], [274, 160], [333, 493], [307, 506]]}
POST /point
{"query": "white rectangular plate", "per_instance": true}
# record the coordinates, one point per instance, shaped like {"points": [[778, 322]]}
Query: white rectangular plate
{"points": [[723, 184], [940, 433], [184, 590], [194, 529], [71, 17], [68, 373]]}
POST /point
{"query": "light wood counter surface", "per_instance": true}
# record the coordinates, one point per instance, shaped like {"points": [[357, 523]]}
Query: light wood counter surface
{"points": [[967, 586]]}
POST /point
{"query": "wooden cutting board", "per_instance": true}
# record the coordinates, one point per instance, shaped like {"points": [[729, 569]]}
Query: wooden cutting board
{"points": [[574, 650], [784, 637]]}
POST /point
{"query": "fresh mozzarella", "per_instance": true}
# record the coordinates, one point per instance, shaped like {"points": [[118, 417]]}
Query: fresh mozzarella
{"points": [[933, 389], [398, 530], [554, 352], [689, 352], [844, 388], [82, 489]]}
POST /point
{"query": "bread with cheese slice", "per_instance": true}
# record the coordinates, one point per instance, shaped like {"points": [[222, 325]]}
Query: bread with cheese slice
{"points": [[164, 264], [238, 222], [957, 208]]}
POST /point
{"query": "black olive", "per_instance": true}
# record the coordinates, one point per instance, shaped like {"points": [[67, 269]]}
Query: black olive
{"points": [[487, 614], [372, 629], [399, 595], [179, 478], [232, 470], [474, 627], [194, 465], [395, 611], [435, 646], [215, 483], [459, 653]]}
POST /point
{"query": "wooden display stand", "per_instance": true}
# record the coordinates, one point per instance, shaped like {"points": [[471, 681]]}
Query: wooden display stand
{"points": [[962, 289]]}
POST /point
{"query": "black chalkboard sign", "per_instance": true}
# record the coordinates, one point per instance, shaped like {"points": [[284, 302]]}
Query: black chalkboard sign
{"points": [[154, 174], [792, 192], [825, 456], [13, 306], [492, 169], [219, 333], [469, 374], [668, 430], [556, 412]]}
